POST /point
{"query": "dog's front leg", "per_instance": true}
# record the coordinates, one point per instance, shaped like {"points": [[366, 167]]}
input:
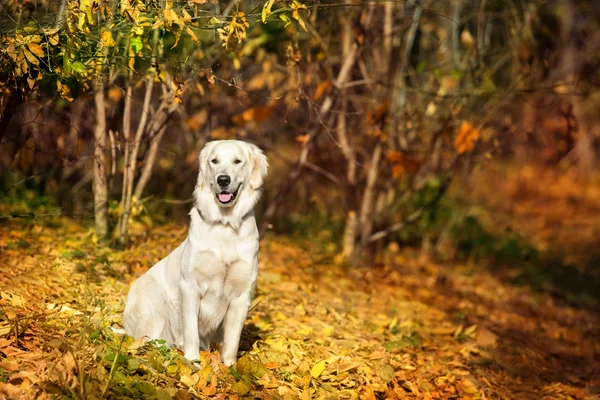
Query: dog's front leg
{"points": [[238, 288], [190, 303], [234, 322]]}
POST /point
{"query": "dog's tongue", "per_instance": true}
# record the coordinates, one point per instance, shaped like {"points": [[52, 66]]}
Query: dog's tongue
{"points": [[225, 197]]}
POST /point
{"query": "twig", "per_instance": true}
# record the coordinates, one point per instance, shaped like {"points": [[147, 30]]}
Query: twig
{"points": [[60, 18], [112, 368]]}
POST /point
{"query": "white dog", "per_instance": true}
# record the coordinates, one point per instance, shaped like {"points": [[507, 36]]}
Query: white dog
{"points": [[201, 292]]}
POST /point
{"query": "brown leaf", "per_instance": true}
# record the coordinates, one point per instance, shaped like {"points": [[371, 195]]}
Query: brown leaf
{"points": [[323, 86], [9, 366], [10, 391], [486, 338], [36, 49]]}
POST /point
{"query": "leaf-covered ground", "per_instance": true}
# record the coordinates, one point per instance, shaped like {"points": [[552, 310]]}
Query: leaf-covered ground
{"points": [[401, 327]]}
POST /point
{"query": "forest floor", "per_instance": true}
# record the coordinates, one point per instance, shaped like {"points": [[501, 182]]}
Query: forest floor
{"points": [[405, 326]]}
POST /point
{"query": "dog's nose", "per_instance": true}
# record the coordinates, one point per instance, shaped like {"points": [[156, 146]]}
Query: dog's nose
{"points": [[223, 180]]}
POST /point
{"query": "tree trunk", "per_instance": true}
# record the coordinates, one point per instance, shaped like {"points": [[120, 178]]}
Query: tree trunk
{"points": [[365, 218], [8, 112], [350, 227], [149, 164], [584, 148], [99, 182], [131, 152], [570, 71], [342, 78]]}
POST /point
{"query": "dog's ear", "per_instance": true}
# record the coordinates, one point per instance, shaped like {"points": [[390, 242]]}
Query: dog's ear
{"points": [[259, 164], [203, 161]]}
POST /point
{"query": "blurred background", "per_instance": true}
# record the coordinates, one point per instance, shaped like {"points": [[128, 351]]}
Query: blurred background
{"points": [[460, 128]]}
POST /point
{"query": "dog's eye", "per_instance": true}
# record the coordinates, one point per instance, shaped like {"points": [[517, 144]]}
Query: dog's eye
{"points": [[236, 161], [214, 161]]}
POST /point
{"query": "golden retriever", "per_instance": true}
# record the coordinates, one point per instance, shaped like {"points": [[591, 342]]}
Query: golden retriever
{"points": [[201, 291]]}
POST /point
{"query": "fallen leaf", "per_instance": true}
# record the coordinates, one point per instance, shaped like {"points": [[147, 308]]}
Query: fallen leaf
{"points": [[318, 369], [386, 373]]}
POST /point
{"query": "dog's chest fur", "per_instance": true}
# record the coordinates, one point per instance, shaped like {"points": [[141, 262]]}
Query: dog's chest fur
{"points": [[218, 271]]}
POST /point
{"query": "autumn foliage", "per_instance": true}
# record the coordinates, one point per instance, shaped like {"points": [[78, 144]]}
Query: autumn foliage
{"points": [[429, 222]]}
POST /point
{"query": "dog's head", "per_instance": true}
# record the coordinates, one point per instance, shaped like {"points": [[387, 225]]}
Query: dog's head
{"points": [[229, 168]]}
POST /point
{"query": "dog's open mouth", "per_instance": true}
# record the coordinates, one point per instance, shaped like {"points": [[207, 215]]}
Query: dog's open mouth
{"points": [[226, 197]]}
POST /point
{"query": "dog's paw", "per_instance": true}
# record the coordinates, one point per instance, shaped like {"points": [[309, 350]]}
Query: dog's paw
{"points": [[192, 356], [228, 361]]}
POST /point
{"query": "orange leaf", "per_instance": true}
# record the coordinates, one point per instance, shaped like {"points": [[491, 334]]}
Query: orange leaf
{"points": [[401, 162], [323, 86], [303, 139], [466, 138], [115, 94], [212, 389], [255, 114]]}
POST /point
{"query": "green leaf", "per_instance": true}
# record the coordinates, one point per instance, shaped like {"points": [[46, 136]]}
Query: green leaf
{"points": [[241, 387], [386, 373], [94, 335], [133, 364], [413, 341], [136, 44], [78, 68], [285, 19], [394, 345], [215, 21], [251, 366]]}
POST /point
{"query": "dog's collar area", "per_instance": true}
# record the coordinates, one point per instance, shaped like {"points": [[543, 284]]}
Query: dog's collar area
{"points": [[221, 220]]}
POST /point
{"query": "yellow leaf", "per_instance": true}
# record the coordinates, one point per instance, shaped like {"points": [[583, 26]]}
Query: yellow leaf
{"points": [[467, 388], [192, 34], [266, 11], [305, 394], [251, 366], [296, 6], [467, 39], [14, 299], [30, 57], [170, 15], [318, 369], [186, 380], [177, 91], [186, 16]]}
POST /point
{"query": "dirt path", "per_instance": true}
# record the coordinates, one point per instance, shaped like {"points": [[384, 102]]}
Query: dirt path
{"points": [[402, 328]]}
